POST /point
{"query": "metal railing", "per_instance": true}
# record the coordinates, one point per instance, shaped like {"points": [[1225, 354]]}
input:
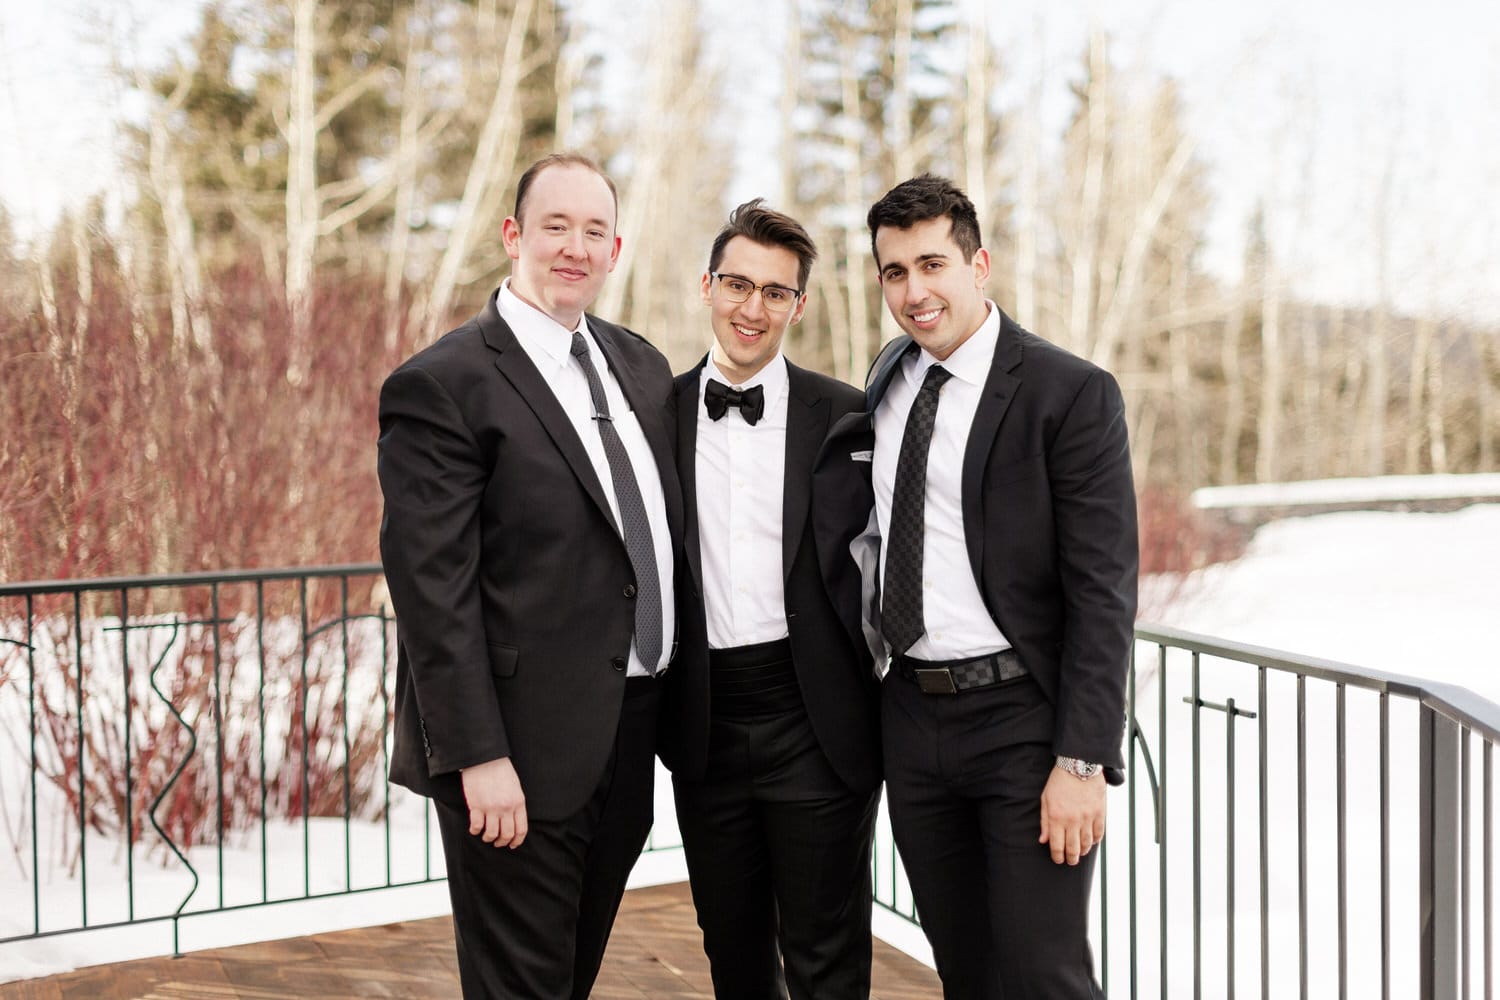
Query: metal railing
{"points": [[178, 746]]}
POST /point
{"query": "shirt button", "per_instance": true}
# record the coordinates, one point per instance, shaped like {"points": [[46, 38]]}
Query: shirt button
{"points": [[630, 590]]}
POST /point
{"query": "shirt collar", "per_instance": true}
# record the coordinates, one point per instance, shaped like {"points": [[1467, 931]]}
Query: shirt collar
{"points": [[970, 361], [772, 376], [543, 336]]}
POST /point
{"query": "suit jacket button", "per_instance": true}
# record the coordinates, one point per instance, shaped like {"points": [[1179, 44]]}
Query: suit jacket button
{"points": [[618, 662], [630, 590]]}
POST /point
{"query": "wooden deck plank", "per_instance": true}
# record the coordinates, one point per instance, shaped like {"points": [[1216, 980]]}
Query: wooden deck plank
{"points": [[656, 952]]}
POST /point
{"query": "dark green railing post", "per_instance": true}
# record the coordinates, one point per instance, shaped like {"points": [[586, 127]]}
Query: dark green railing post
{"points": [[1438, 798]]}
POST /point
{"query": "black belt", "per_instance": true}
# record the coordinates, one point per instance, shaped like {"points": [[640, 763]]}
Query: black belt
{"points": [[953, 676]]}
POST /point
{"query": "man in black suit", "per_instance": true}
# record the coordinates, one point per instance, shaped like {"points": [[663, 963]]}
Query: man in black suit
{"points": [[531, 507], [1007, 580], [770, 721]]}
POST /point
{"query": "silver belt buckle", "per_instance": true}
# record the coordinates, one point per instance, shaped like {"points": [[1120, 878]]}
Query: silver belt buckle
{"points": [[935, 680]]}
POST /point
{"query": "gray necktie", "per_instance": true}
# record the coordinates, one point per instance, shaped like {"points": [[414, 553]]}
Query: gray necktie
{"points": [[901, 597], [634, 525]]}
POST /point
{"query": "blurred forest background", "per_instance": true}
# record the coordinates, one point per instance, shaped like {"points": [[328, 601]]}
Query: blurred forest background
{"points": [[189, 362]]}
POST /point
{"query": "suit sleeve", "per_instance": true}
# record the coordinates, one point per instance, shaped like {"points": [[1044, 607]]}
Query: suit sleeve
{"points": [[1093, 498], [433, 478]]}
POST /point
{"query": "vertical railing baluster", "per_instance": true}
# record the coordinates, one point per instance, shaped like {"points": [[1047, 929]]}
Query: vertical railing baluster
{"points": [[1487, 826], [344, 717], [1342, 819], [1161, 820], [1463, 862], [1229, 879], [1385, 845], [36, 822], [83, 854], [1264, 779], [1302, 835], [129, 785], [306, 754], [385, 724], [1197, 833], [260, 723], [1130, 830], [218, 716]]}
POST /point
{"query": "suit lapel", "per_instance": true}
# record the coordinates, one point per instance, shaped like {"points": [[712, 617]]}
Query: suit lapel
{"points": [[806, 426], [516, 366], [686, 387], [999, 390]]}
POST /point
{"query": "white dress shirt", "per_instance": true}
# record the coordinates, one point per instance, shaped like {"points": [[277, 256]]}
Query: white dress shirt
{"points": [[549, 346], [740, 473], [958, 623]]}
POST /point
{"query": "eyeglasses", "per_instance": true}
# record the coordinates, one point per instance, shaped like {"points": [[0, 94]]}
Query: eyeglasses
{"points": [[776, 298]]}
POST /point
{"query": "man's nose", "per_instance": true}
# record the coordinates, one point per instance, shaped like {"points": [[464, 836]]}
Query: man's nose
{"points": [[755, 305]]}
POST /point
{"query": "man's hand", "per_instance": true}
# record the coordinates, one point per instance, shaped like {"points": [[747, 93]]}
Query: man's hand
{"points": [[497, 809], [1072, 815]]}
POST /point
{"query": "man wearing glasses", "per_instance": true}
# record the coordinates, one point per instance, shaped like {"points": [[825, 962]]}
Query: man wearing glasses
{"points": [[769, 713]]}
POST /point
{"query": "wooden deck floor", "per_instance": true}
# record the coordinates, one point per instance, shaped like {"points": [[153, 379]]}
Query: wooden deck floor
{"points": [[655, 952]]}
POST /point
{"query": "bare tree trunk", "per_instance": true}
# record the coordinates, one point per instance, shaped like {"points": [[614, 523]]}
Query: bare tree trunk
{"points": [[1130, 273], [976, 110], [190, 320], [1488, 364], [1029, 211], [1416, 409], [1234, 390], [1376, 395], [493, 158], [1311, 408], [1436, 431], [301, 186], [855, 253], [83, 264], [903, 156], [1086, 253], [412, 103], [1273, 366]]}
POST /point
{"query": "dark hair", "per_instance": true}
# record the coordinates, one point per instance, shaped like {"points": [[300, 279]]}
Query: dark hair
{"points": [[565, 159], [922, 198], [770, 228]]}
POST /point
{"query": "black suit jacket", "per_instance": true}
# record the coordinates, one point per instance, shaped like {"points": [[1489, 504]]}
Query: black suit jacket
{"points": [[832, 661], [506, 571], [1050, 524]]}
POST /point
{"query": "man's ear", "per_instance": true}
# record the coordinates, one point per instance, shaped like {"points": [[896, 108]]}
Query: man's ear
{"points": [[510, 235]]}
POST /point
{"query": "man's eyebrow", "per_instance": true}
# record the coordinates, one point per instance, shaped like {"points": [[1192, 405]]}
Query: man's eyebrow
{"points": [[934, 255], [564, 217]]}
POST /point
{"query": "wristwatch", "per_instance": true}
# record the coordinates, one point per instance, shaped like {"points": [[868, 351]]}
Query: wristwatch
{"points": [[1081, 769]]}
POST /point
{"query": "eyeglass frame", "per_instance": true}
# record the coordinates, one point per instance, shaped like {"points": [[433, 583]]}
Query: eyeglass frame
{"points": [[797, 293]]}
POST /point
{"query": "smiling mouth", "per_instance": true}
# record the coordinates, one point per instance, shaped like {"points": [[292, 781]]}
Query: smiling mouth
{"points": [[925, 317], [746, 333]]}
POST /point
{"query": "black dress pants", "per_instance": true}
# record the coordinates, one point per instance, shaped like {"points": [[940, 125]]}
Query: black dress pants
{"points": [[778, 855], [964, 777], [533, 922]]}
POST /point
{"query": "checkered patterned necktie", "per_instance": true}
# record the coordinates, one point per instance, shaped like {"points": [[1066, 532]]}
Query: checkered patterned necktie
{"points": [[901, 601], [634, 525]]}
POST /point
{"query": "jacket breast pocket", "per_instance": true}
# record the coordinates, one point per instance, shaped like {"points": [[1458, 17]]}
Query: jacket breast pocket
{"points": [[503, 660]]}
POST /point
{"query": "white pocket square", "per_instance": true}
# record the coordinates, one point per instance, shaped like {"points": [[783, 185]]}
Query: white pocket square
{"points": [[862, 456]]}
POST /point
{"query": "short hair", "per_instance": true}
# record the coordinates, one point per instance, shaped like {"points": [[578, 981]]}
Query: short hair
{"points": [[770, 228], [563, 159], [922, 198]]}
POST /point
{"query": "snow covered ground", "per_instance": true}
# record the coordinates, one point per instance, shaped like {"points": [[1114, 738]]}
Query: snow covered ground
{"points": [[1405, 593], [1414, 594]]}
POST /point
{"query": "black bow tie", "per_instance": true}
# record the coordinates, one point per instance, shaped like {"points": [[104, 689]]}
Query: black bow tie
{"points": [[718, 398]]}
